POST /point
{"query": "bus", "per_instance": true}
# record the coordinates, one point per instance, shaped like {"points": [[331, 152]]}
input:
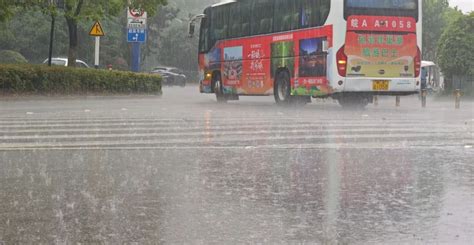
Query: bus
{"points": [[350, 50]]}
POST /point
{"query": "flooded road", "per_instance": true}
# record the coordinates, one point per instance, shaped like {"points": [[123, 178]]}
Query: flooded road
{"points": [[182, 169]]}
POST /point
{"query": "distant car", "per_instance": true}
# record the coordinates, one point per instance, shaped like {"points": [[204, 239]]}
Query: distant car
{"points": [[171, 76], [63, 62]]}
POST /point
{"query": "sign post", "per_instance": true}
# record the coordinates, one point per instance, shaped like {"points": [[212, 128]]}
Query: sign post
{"points": [[97, 32], [136, 34], [97, 52]]}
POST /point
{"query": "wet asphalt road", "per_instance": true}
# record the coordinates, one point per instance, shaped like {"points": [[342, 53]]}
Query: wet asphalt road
{"points": [[183, 170]]}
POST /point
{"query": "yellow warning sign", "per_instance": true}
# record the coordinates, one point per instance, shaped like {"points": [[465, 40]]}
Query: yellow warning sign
{"points": [[97, 30]]}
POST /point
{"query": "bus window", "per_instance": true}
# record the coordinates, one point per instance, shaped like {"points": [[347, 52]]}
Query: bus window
{"points": [[408, 8], [309, 13], [204, 34], [324, 8], [219, 23], [246, 13], [235, 21], [314, 13], [384, 4], [284, 19], [262, 17]]}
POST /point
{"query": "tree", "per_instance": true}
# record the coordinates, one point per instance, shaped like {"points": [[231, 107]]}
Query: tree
{"points": [[451, 15], [168, 42], [456, 48], [27, 32], [76, 11], [158, 26], [433, 25], [5, 10], [177, 49]]}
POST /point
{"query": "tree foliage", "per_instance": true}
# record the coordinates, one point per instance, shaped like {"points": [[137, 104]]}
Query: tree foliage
{"points": [[456, 47], [78, 11], [177, 49], [6, 9], [169, 43], [27, 31], [433, 25]]}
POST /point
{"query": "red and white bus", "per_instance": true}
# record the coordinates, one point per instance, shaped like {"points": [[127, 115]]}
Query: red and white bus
{"points": [[350, 50]]}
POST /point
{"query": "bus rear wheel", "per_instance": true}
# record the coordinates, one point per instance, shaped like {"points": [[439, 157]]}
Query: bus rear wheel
{"points": [[282, 89], [353, 101], [218, 89]]}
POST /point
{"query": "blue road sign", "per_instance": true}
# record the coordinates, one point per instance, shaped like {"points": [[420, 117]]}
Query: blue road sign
{"points": [[136, 36]]}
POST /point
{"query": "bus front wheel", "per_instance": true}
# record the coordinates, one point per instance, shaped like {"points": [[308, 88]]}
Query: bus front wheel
{"points": [[282, 88], [218, 89]]}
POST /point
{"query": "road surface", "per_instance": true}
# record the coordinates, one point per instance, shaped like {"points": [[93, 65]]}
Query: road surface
{"points": [[182, 169]]}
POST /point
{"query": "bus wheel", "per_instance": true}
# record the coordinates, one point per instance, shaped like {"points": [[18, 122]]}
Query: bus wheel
{"points": [[219, 90], [282, 88], [353, 101], [301, 100]]}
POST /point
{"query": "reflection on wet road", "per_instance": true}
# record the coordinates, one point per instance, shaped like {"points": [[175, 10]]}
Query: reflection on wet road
{"points": [[182, 169]]}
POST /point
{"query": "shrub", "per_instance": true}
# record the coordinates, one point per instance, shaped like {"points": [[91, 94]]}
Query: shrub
{"points": [[41, 79], [11, 57]]}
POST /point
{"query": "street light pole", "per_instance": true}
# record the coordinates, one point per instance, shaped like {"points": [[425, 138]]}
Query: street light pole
{"points": [[51, 37]]}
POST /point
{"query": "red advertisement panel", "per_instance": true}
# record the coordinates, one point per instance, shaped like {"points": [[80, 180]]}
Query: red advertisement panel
{"points": [[381, 46], [248, 65]]}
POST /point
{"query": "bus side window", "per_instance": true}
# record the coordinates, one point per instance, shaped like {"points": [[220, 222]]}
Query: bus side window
{"points": [[295, 21], [246, 13], [313, 13], [214, 28], [324, 8], [284, 19], [220, 19], [305, 13], [235, 21], [262, 17]]}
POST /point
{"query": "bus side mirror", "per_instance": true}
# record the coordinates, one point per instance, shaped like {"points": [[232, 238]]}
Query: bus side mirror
{"points": [[192, 26], [192, 23]]}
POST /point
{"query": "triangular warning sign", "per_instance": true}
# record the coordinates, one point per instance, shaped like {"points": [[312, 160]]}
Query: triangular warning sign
{"points": [[97, 30]]}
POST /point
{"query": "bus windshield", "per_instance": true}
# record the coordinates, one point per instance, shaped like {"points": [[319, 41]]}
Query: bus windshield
{"points": [[204, 33], [382, 4]]}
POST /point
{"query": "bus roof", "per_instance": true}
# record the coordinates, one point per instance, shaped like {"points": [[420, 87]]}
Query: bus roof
{"points": [[425, 63], [223, 3]]}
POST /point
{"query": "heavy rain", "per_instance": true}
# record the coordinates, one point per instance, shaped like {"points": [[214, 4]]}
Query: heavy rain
{"points": [[182, 129]]}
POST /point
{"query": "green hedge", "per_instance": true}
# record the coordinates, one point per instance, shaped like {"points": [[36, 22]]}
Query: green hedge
{"points": [[11, 57], [41, 79]]}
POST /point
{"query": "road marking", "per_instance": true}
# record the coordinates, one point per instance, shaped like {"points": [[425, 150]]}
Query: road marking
{"points": [[251, 134], [182, 124], [401, 139], [318, 133], [385, 146]]}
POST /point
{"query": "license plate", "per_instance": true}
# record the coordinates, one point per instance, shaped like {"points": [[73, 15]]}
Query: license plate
{"points": [[380, 85]]}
